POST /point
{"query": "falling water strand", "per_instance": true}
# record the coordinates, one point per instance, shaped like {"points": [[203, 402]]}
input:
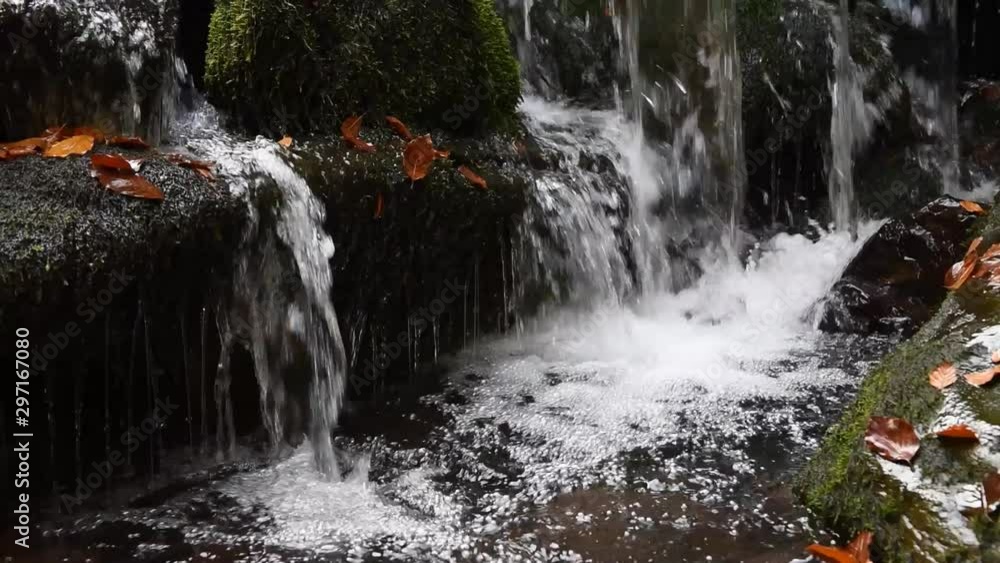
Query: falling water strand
{"points": [[842, 125], [153, 397], [187, 376], [203, 323], [225, 432], [78, 420], [131, 376], [107, 390]]}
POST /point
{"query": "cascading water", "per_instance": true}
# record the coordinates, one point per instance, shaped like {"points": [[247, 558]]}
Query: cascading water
{"points": [[848, 104]]}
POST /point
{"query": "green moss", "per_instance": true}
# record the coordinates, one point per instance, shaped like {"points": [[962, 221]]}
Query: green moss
{"points": [[280, 67], [843, 485]]}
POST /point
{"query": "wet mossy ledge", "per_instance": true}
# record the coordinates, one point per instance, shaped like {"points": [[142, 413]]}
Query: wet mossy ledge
{"points": [[925, 512], [281, 67]]}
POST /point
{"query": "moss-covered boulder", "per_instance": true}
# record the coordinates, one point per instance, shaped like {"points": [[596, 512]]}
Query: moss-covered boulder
{"points": [[930, 511], [285, 66]]}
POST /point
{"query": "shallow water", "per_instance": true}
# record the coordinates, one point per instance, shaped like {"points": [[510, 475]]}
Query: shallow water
{"points": [[666, 430]]}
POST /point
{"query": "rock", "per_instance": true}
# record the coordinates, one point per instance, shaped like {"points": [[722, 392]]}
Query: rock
{"points": [[87, 63], [282, 67], [926, 512], [896, 281]]}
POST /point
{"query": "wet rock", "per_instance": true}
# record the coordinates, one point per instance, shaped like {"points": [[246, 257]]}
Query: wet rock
{"points": [[896, 281], [94, 63]]}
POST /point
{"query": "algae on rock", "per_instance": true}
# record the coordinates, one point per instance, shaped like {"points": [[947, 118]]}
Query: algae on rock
{"points": [[284, 67]]}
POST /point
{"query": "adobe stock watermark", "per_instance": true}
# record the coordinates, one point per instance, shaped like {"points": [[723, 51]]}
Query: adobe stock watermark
{"points": [[391, 350], [32, 25], [130, 440], [88, 311]]}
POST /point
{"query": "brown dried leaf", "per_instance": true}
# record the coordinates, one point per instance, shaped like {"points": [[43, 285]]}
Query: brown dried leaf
{"points": [[80, 144], [94, 132], [995, 357], [129, 184], [286, 142], [959, 273], [972, 207], [128, 142], [991, 489], [29, 145], [981, 378], [892, 438], [943, 376], [858, 551], [350, 129], [399, 127], [472, 177], [112, 162], [202, 167], [418, 157], [958, 432], [992, 252]]}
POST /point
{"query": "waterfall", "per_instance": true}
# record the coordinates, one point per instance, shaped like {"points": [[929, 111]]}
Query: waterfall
{"points": [[848, 102]]}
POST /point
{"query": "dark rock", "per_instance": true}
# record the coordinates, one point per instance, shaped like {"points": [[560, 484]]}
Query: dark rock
{"points": [[897, 280]]}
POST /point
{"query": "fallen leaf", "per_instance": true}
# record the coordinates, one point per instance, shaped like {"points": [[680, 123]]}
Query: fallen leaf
{"points": [[441, 154], [399, 127], [943, 376], [55, 134], [379, 205], [286, 142], [203, 168], [31, 145], [128, 142], [418, 157], [991, 489], [472, 177], [111, 162], [350, 129], [858, 551], [97, 134], [972, 207], [960, 271], [129, 184], [892, 438], [992, 252], [80, 144], [981, 378], [859, 547], [958, 432], [995, 357]]}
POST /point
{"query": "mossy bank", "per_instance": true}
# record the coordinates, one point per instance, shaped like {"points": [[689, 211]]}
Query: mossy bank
{"points": [[926, 512], [291, 66]]}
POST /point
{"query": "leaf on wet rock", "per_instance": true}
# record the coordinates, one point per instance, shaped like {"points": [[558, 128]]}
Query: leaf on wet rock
{"points": [[350, 129], [203, 168], [472, 177], [981, 378], [399, 127], [78, 145], [129, 184], [858, 551], [128, 142], [25, 146], [958, 432], [418, 157], [286, 142], [972, 207], [992, 252], [113, 162], [959, 273], [892, 438], [991, 489], [943, 376]]}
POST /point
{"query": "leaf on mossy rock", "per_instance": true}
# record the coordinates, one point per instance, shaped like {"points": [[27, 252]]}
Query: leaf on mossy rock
{"points": [[128, 142], [25, 146], [959, 273], [418, 157], [399, 127], [858, 551], [981, 378], [972, 207], [113, 162], [943, 376], [350, 129], [472, 177], [202, 167], [892, 438], [112, 173], [77, 145], [991, 489], [958, 432], [286, 142]]}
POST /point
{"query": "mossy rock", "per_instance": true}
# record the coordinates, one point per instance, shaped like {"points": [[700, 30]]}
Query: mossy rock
{"points": [[848, 489], [290, 66]]}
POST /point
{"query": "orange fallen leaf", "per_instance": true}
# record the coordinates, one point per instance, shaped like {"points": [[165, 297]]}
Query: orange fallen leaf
{"points": [[856, 552], [860, 547], [112, 162], [995, 357], [981, 378], [286, 142], [418, 157], [55, 134], [960, 271], [350, 129], [129, 184], [30, 145], [472, 177], [892, 438], [972, 207], [203, 168], [128, 142], [399, 127], [97, 134], [80, 144], [958, 432], [943, 376], [992, 252], [991, 489], [379, 205]]}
